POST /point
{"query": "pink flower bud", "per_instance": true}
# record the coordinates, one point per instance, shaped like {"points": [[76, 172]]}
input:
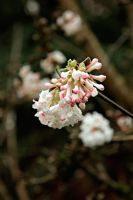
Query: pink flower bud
{"points": [[63, 87], [54, 80], [62, 94], [94, 92], [99, 86], [48, 86], [89, 85], [84, 75], [100, 78], [94, 61], [76, 74], [76, 89]]}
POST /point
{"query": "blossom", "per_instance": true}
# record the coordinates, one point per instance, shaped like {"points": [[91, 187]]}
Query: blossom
{"points": [[53, 58], [32, 7], [77, 85], [95, 130], [55, 115], [24, 70], [60, 104], [70, 22], [125, 123], [31, 83]]}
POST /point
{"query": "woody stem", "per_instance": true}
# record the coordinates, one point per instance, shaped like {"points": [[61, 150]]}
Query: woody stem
{"points": [[114, 104]]}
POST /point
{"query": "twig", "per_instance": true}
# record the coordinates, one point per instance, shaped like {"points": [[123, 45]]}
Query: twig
{"points": [[111, 183], [129, 9], [86, 59], [4, 192], [17, 40], [10, 128], [57, 69], [41, 180], [10, 122], [115, 104], [120, 138], [120, 41]]}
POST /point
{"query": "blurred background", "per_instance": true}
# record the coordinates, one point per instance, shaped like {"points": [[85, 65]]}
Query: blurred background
{"points": [[38, 162]]}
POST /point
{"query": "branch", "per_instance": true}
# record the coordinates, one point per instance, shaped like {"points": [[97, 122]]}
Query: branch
{"points": [[41, 180], [16, 48], [119, 42], [130, 21], [12, 161], [122, 138], [4, 192], [114, 104], [10, 117]]}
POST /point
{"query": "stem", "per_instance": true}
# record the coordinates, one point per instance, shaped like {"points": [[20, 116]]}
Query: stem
{"points": [[114, 104], [121, 138], [88, 58], [58, 71]]}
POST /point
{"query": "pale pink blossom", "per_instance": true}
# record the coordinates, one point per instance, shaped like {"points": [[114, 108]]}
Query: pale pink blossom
{"points": [[70, 22], [125, 123], [58, 105], [95, 130], [80, 85], [56, 115], [50, 62], [76, 85], [31, 83], [32, 7]]}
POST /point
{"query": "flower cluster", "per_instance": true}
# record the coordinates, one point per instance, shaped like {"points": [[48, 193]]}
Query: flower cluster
{"points": [[56, 115], [30, 84], [70, 23], [53, 58], [74, 87], [95, 130]]}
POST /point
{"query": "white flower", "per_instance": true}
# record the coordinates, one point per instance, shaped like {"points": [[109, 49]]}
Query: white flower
{"points": [[125, 123], [47, 66], [57, 56], [95, 130], [33, 7], [58, 106], [70, 22], [56, 115], [53, 58], [24, 70], [31, 83]]}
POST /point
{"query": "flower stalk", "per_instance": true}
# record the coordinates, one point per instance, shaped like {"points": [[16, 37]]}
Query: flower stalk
{"points": [[114, 104]]}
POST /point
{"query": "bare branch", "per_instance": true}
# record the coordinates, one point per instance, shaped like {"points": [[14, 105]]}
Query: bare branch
{"points": [[119, 138], [4, 192]]}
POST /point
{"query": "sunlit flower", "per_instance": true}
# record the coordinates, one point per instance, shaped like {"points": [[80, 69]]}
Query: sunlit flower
{"points": [[53, 58], [70, 22], [95, 130]]}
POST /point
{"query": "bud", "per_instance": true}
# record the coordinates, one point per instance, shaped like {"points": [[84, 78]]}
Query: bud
{"points": [[82, 66]]}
